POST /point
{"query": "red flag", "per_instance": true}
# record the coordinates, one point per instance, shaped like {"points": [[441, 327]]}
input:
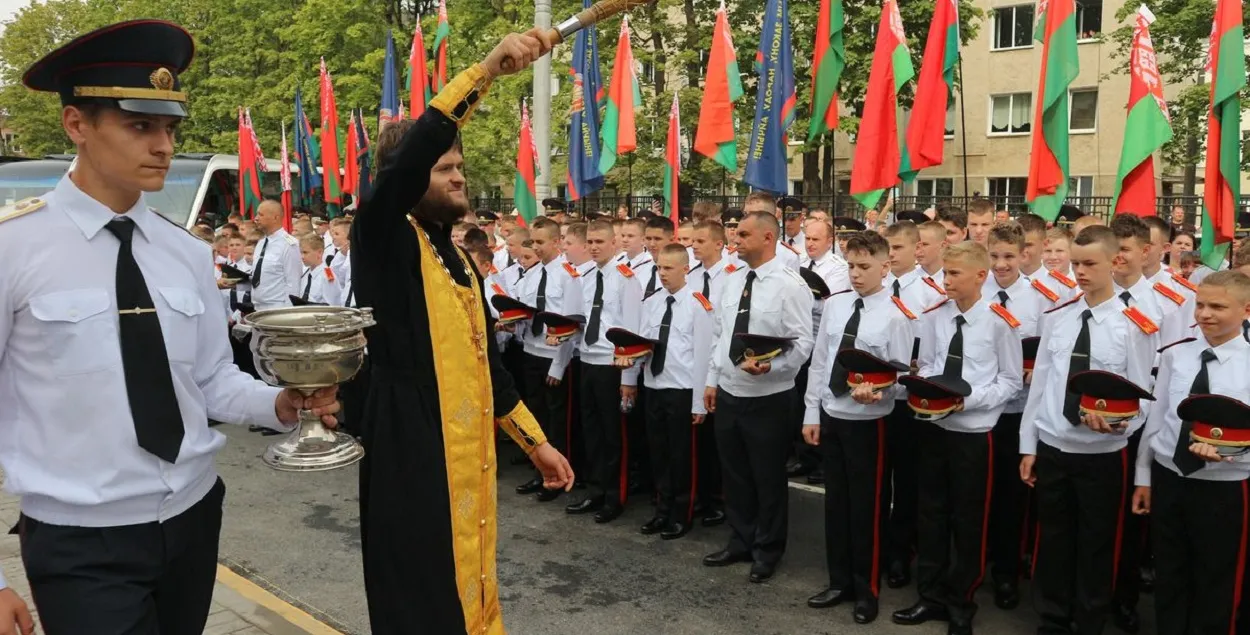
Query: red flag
{"points": [[672, 165], [285, 175], [418, 78], [249, 178], [526, 167], [716, 136], [926, 134], [440, 48], [351, 169], [877, 155], [1222, 189], [330, 142]]}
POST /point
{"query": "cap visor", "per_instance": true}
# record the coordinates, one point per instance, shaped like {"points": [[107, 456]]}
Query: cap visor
{"points": [[153, 107]]}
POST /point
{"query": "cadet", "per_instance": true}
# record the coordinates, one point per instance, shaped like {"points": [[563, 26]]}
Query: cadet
{"points": [[980, 219], [114, 344], [929, 245], [793, 216], [318, 284], [1057, 258], [658, 232], [759, 201], [276, 274], [955, 222], [845, 414]]}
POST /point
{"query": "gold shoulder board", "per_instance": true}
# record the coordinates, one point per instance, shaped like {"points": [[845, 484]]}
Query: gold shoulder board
{"points": [[21, 208]]}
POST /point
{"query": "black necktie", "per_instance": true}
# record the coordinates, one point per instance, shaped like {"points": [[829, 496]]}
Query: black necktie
{"points": [[839, 374], [742, 322], [1125, 297], [1079, 362], [955, 352], [661, 349], [898, 288], [1245, 330], [651, 284], [1002, 298], [536, 327], [596, 311], [351, 294], [1185, 460], [260, 260], [149, 386], [307, 286], [707, 285]]}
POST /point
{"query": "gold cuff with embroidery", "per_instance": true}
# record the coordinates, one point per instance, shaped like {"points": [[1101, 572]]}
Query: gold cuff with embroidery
{"points": [[521, 425], [458, 99]]}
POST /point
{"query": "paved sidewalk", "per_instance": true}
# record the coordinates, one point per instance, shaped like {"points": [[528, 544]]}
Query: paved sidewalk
{"points": [[239, 606]]}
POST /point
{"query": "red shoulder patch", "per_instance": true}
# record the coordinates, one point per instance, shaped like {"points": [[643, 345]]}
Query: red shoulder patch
{"points": [[1002, 312], [1064, 280], [933, 285], [1045, 291], [494, 286], [730, 268], [493, 270], [625, 270], [1167, 292], [1144, 323], [329, 274], [1177, 342], [1184, 283], [936, 306], [898, 302], [707, 304], [1066, 304], [571, 270]]}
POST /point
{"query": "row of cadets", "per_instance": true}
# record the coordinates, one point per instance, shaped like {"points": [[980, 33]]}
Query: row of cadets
{"points": [[763, 336]]}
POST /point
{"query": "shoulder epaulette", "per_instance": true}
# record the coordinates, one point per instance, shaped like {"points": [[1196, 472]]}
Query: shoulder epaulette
{"points": [[1066, 304], [291, 240], [1177, 342], [1184, 283], [1144, 323], [1044, 290], [730, 268], [707, 304], [787, 246], [1002, 312], [1064, 280], [937, 306], [732, 250], [625, 270], [329, 274], [498, 289], [795, 275], [933, 285], [572, 271], [498, 247], [21, 208], [898, 302], [1167, 292]]}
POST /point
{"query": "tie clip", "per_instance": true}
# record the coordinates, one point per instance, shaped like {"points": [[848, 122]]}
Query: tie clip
{"points": [[136, 311]]}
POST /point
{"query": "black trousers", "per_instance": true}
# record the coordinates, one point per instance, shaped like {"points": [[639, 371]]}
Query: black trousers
{"points": [[1199, 536], [670, 436], [549, 404], [1079, 508], [241, 351], [709, 490], [353, 395], [1009, 504], [956, 475], [603, 428], [854, 453], [899, 497], [807, 456], [1132, 542], [754, 439], [149, 579]]}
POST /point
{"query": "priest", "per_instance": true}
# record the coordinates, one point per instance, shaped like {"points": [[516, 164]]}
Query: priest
{"points": [[438, 389]]}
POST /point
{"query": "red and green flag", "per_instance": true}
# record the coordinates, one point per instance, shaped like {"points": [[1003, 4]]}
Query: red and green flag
{"points": [[672, 165], [440, 48], [351, 167], [926, 133], [285, 176], [525, 192], [418, 75], [330, 144], [249, 158], [1222, 190], [1048, 162], [828, 61], [1147, 127], [716, 136], [877, 156], [619, 134]]}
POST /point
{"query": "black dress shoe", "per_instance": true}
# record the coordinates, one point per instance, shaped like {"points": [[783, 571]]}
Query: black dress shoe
{"points": [[816, 477], [654, 526], [609, 513], [270, 432], [1147, 579], [591, 504], [898, 575], [796, 468], [724, 558], [256, 428], [959, 628], [1126, 619], [548, 495], [1006, 595], [865, 611], [829, 598], [579, 484], [530, 486], [675, 530], [713, 517], [761, 572], [921, 612]]}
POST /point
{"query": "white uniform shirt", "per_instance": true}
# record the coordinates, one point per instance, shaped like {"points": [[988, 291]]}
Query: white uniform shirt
{"points": [[1117, 345], [69, 450], [1061, 283], [1178, 317], [789, 256], [563, 296], [885, 331], [689, 343], [621, 308], [280, 268], [781, 306], [239, 290], [1026, 303], [1228, 374], [799, 242], [832, 268], [993, 362], [502, 259], [645, 273], [929, 290], [715, 279], [321, 284]]}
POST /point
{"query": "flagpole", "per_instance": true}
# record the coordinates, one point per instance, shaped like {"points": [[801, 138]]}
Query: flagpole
{"points": [[833, 156], [963, 131], [631, 176]]}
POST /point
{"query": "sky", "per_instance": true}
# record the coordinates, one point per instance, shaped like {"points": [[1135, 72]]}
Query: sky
{"points": [[8, 8]]}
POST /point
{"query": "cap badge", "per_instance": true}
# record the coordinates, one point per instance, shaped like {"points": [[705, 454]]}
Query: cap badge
{"points": [[858, 378], [162, 79], [1217, 433], [924, 403], [1101, 404]]}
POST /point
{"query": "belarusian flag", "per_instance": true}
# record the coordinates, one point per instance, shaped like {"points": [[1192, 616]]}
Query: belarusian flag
{"points": [[351, 167], [525, 193], [1147, 128], [1048, 161], [672, 165], [618, 132], [329, 144], [440, 48], [926, 133], [716, 137], [877, 160], [1222, 190], [285, 176], [418, 75], [249, 176], [828, 60]]}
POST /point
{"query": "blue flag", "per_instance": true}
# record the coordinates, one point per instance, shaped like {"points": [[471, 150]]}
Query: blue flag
{"points": [[363, 160], [584, 174], [774, 104], [307, 154], [389, 110]]}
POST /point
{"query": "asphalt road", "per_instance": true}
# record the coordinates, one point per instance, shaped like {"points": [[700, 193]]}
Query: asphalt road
{"points": [[297, 535]]}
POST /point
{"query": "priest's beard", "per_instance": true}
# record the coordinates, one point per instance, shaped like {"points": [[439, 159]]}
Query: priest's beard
{"points": [[441, 209]]}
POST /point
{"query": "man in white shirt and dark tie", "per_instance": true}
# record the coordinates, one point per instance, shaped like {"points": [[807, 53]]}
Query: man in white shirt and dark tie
{"points": [[276, 273]]}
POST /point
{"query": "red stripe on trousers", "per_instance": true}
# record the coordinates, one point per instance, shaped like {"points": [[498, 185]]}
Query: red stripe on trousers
{"points": [[624, 493], [1119, 521], [875, 582], [985, 519], [694, 469], [1241, 557]]}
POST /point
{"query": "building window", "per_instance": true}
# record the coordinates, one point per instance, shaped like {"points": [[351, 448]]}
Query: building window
{"points": [[1013, 27], [1083, 110], [949, 132], [1080, 186], [1005, 186], [1088, 20], [796, 188], [1009, 114], [928, 191]]}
